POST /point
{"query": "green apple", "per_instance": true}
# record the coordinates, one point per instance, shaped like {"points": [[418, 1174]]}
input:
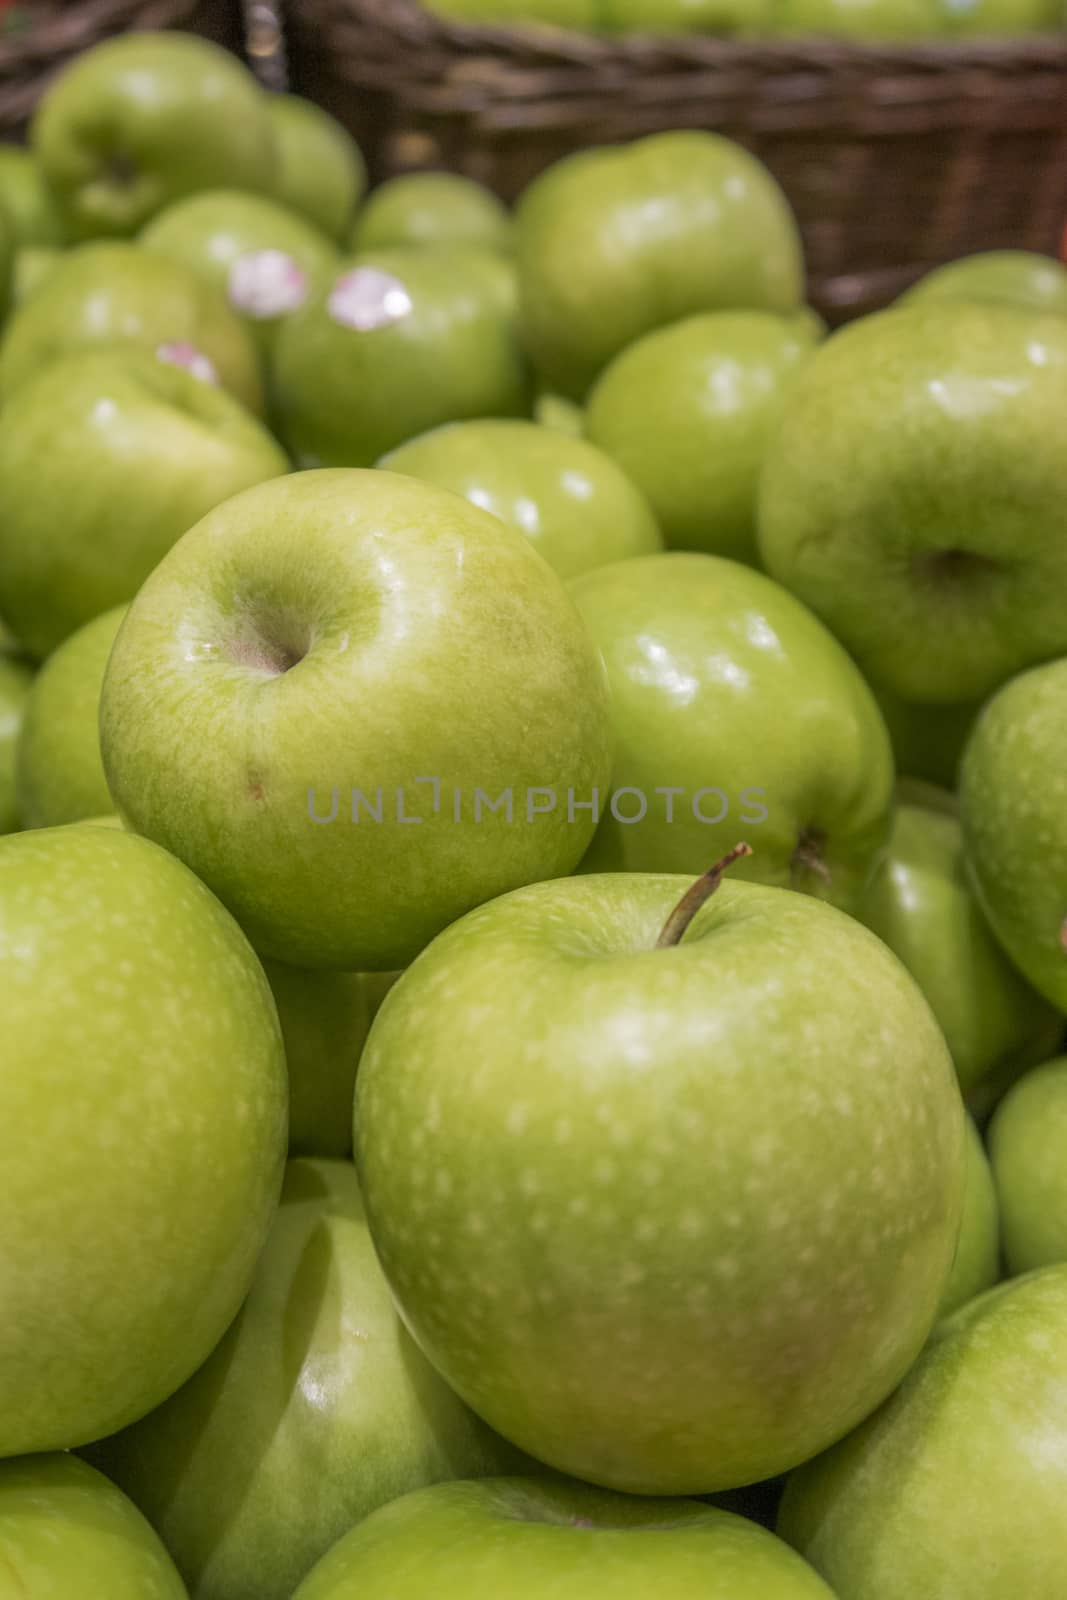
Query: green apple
{"points": [[325, 1018], [31, 267], [705, 1229], [613, 243], [66, 1531], [321, 173], [735, 715], [976, 1266], [1012, 785], [583, 14], [8, 258], [59, 772], [914, 494], [928, 740], [106, 458], [142, 1130], [144, 118], [857, 19], [26, 199], [679, 16], [1028, 1144], [921, 904], [263, 258], [577, 508], [402, 341], [315, 1409], [956, 1487], [1013, 277], [322, 662], [530, 1539], [105, 293], [16, 679], [687, 412], [988, 18], [555, 411], [432, 208]]}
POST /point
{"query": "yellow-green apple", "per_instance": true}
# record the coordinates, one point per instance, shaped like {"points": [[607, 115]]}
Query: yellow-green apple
{"points": [[106, 458], [705, 1229], [914, 494], [432, 208], [1028, 1145], [320, 169], [535, 1539], [16, 678], [956, 1487], [59, 773], [112, 292], [1014, 277], [921, 904], [577, 508], [734, 712], [1012, 784], [679, 16], [976, 1266], [556, 411], [402, 341], [857, 19], [142, 1129], [584, 14], [66, 1531], [8, 258], [262, 257], [144, 118], [356, 706], [687, 412], [26, 199], [315, 1409], [988, 18], [612, 243], [32, 265]]}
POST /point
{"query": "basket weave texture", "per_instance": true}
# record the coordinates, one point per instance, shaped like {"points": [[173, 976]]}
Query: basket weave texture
{"points": [[895, 158], [37, 37]]}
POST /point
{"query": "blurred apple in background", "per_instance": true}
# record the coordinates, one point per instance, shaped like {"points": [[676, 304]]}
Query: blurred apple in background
{"points": [[32, 265], [314, 1410], [351, 631], [432, 208], [976, 1266], [855, 19], [1012, 277], [66, 1531], [142, 1130], [147, 449], [16, 678], [532, 1539], [582, 14], [612, 243], [928, 739], [1028, 1143], [687, 412], [27, 201], [576, 507], [320, 171], [109, 293], [735, 714], [144, 118]]}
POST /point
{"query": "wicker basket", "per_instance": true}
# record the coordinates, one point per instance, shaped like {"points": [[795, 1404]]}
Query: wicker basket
{"points": [[37, 37], [895, 158]]}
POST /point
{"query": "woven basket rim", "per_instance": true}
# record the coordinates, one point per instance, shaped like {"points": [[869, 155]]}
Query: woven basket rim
{"points": [[54, 35]]}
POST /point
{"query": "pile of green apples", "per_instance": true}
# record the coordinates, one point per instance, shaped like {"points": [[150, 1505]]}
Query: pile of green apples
{"points": [[533, 888]]}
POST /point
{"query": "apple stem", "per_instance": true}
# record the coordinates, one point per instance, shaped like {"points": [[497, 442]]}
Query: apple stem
{"points": [[674, 929]]}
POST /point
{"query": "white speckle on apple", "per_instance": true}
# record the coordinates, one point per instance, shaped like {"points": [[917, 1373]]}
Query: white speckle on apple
{"points": [[267, 283], [365, 299], [691, 1224], [517, 1118], [563, 1130], [604, 1171], [190, 359]]}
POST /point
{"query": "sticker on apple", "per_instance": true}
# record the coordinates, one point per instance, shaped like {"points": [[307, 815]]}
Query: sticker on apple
{"points": [[267, 283], [187, 356], [367, 298]]}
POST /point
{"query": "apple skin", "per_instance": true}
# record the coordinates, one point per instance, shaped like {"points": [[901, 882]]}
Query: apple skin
{"points": [[988, 18], [857, 19], [59, 772], [143, 1125], [214, 230], [920, 903], [432, 209], [315, 1409], [374, 631], [913, 496], [687, 412], [681, 16], [1012, 277], [65, 1530], [108, 293], [1012, 784], [144, 118], [321, 173], [31, 267], [533, 1539], [705, 1229], [976, 1266], [27, 200], [16, 680], [576, 507], [1028, 1146], [956, 1487], [147, 449], [660, 229], [580, 14], [347, 394], [719, 678]]}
